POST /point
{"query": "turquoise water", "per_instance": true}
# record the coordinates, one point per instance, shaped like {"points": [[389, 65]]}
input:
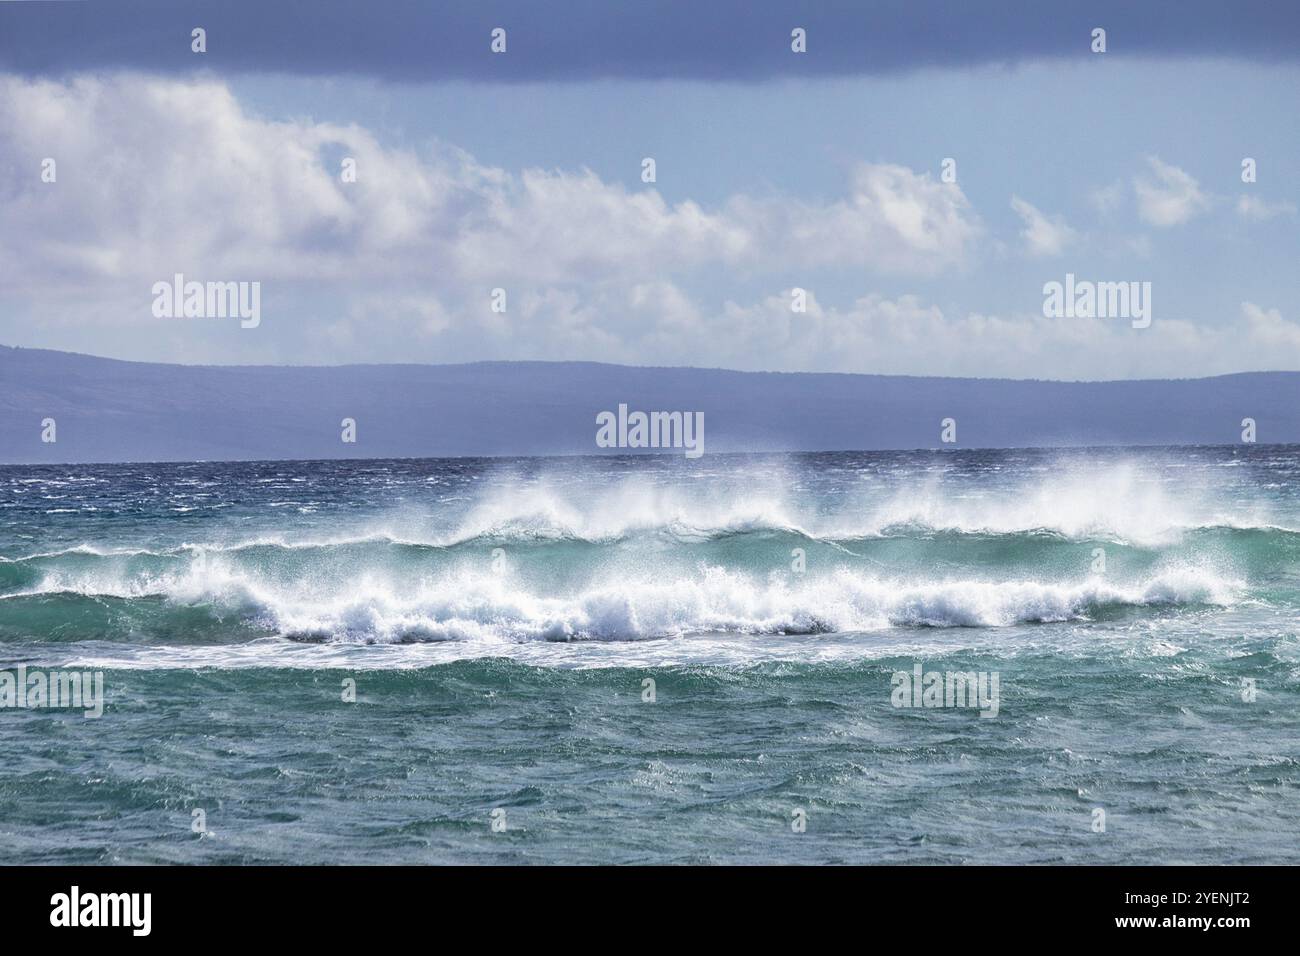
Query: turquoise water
{"points": [[500, 620]]}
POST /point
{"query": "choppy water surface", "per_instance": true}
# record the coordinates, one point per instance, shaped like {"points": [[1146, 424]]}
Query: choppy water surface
{"points": [[500, 619]]}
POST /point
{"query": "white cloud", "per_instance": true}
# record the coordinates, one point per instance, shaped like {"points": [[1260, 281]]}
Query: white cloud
{"points": [[1106, 199], [907, 336], [657, 323], [1268, 329], [1171, 198], [1043, 236], [157, 176], [1261, 210]]}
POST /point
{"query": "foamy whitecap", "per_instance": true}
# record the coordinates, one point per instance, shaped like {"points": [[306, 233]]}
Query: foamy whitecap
{"points": [[633, 506], [721, 601], [1120, 503], [483, 606]]}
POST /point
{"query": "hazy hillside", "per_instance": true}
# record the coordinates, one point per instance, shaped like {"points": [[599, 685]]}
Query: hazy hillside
{"points": [[108, 410]]}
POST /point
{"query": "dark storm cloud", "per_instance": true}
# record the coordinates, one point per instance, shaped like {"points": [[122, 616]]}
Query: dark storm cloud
{"points": [[414, 40]]}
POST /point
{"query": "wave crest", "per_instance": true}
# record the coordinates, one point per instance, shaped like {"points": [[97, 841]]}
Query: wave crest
{"points": [[482, 606]]}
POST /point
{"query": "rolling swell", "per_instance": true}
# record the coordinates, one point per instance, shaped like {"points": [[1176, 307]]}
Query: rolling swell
{"points": [[642, 585], [437, 551]]}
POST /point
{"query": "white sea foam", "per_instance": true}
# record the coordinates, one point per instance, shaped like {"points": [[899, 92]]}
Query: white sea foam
{"points": [[1120, 503], [547, 511], [482, 606]]}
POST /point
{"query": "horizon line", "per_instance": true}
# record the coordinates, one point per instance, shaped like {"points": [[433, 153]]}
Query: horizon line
{"points": [[936, 450], [620, 365]]}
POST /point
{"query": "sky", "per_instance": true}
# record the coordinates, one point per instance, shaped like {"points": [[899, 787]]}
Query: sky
{"points": [[775, 171]]}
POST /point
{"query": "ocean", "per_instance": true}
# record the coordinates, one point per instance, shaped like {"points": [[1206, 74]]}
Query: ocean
{"points": [[652, 659]]}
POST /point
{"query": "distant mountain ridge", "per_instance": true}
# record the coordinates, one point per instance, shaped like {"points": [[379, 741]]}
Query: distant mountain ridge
{"points": [[112, 410]]}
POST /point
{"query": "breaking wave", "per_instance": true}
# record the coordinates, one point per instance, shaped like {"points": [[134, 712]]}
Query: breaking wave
{"points": [[482, 605]]}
